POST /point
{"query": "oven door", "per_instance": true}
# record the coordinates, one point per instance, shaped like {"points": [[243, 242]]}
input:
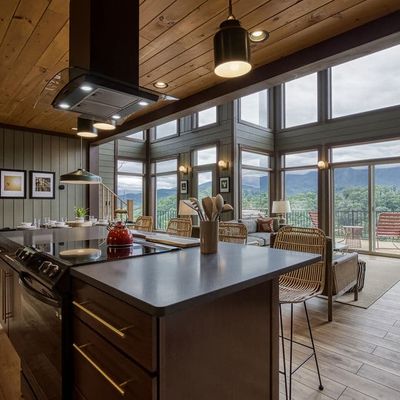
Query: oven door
{"points": [[36, 333]]}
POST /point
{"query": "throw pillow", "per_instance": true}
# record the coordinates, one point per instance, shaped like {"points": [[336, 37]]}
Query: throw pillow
{"points": [[265, 224]]}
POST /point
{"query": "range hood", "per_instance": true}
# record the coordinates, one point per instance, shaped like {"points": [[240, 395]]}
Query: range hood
{"points": [[103, 69]]}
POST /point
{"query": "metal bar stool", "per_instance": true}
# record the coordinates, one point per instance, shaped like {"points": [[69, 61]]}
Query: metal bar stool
{"points": [[299, 286]]}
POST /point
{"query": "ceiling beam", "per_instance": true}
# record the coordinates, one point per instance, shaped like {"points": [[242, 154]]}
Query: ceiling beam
{"points": [[382, 32]]}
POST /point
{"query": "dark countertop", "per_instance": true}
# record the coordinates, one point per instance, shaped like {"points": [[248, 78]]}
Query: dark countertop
{"points": [[164, 283]]}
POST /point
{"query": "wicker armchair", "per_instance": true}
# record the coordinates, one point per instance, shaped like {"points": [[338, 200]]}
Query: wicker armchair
{"points": [[232, 232], [300, 285], [144, 223], [180, 227]]}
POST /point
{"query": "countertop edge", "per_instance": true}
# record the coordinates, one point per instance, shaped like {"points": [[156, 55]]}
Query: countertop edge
{"points": [[160, 311]]}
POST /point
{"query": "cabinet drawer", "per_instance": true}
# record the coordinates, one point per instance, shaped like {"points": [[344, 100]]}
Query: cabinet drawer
{"points": [[103, 372], [128, 328]]}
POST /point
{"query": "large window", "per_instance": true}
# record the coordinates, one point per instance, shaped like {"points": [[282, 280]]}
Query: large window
{"points": [[255, 170], [301, 187], [130, 184], [366, 196], [207, 117], [204, 171], [301, 101], [367, 83], [254, 108], [168, 129], [166, 183]]}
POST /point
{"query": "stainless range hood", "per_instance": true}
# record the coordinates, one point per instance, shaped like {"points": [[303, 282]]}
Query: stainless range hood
{"points": [[104, 61]]}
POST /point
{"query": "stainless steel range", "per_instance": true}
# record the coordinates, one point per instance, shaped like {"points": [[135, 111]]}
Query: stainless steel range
{"points": [[41, 307]]}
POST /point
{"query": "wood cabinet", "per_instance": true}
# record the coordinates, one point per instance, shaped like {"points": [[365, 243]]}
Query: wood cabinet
{"points": [[222, 349]]}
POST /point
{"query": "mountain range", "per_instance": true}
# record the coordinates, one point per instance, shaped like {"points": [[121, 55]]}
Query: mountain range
{"points": [[296, 183]]}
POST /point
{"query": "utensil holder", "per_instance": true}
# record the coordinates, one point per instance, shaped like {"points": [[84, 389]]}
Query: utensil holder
{"points": [[209, 237]]}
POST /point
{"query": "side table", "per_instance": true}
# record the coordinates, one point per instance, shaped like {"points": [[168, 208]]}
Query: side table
{"points": [[352, 235]]}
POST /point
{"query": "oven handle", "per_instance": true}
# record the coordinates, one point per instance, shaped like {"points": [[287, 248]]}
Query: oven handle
{"points": [[36, 294]]}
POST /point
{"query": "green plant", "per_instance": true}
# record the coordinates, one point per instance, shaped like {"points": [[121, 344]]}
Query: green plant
{"points": [[80, 211]]}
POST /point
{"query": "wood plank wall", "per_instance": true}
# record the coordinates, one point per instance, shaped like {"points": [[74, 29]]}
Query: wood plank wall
{"points": [[33, 151]]}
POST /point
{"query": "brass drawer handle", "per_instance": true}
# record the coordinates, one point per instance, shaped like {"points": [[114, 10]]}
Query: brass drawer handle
{"points": [[99, 369], [112, 328]]}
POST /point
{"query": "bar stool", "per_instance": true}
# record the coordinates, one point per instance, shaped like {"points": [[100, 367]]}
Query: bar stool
{"points": [[299, 286]]}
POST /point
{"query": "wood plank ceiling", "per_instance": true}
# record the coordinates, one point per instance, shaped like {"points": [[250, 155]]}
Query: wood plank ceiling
{"points": [[175, 44]]}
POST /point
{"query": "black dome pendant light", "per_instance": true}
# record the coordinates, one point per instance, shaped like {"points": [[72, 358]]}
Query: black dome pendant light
{"points": [[81, 176], [231, 48]]}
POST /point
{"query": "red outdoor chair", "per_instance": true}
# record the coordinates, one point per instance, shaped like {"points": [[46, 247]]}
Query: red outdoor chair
{"points": [[314, 218], [388, 225]]}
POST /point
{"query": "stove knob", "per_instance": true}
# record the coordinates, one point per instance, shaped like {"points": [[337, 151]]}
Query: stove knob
{"points": [[45, 266], [53, 271]]}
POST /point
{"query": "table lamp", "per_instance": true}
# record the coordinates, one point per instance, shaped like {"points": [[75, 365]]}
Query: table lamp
{"points": [[281, 207], [185, 210]]}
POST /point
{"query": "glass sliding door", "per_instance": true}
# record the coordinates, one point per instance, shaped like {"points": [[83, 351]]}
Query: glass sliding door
{"points": [[351, 216], [386, 218]]}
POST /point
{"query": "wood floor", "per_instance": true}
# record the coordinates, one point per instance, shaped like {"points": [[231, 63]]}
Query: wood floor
{"points": [[359, 353]]}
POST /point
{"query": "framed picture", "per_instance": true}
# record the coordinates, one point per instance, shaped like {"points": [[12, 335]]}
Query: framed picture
{"points": [[12, 184], [42, 185], [224, 185], [184, 187]]}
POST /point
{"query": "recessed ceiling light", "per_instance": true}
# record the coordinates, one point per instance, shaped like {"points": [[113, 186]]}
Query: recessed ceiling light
{"points": [[143, 103], [64, 106], [116, 117], [87, 134], [86, 88], [105, 126], [160, 85], [258, 36]]}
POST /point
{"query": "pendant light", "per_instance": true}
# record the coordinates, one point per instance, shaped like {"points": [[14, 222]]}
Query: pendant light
{"points": [[80, 176], [231, 48], [85, 128]]}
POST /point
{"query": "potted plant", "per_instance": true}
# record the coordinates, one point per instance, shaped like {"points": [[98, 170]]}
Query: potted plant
{"points": [[80, 213]]}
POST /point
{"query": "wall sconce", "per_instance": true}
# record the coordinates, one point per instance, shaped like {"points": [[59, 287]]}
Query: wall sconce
{"points": [[223, 164], [323, 164], [183, 169]]}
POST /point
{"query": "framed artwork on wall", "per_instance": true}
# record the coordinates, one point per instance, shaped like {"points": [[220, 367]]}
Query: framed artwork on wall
{"points": [[42, 185], [184, 187], [224, 186], [12, 184]]}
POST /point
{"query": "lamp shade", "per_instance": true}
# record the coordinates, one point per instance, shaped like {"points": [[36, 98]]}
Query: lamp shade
{"points": [[86, 128], [231, 50], [80, 177], [184, 209], [281, 207]]}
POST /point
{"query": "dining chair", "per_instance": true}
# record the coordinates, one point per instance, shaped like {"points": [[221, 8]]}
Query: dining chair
{"points": [[180, 227], [232, 232], [144, 223], [299, 286]]}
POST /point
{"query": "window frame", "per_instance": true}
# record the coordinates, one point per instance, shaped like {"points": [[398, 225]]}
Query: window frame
{"points": [[268, 169], [283, 127], [145, 133], [153, 177], [195, 120], [241, 121], [142, 175], [153, 131]]}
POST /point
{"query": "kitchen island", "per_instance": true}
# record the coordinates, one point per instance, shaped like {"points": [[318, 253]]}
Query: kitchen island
{"points": [[173, 326], [207, 324]]}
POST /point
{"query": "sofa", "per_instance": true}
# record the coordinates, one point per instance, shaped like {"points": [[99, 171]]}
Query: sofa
{"points": [[253, 235]]}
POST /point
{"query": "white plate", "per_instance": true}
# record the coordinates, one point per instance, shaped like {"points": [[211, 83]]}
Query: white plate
{"points": [[26, 227]]}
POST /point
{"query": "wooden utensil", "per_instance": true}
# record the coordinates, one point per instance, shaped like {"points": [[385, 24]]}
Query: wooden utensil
{"points": [[208, 207], [227, 207], [219, 203]]}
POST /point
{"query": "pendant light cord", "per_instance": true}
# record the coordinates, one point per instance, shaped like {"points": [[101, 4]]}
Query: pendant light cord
{"points": [[230, 13], [81, 153]]}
